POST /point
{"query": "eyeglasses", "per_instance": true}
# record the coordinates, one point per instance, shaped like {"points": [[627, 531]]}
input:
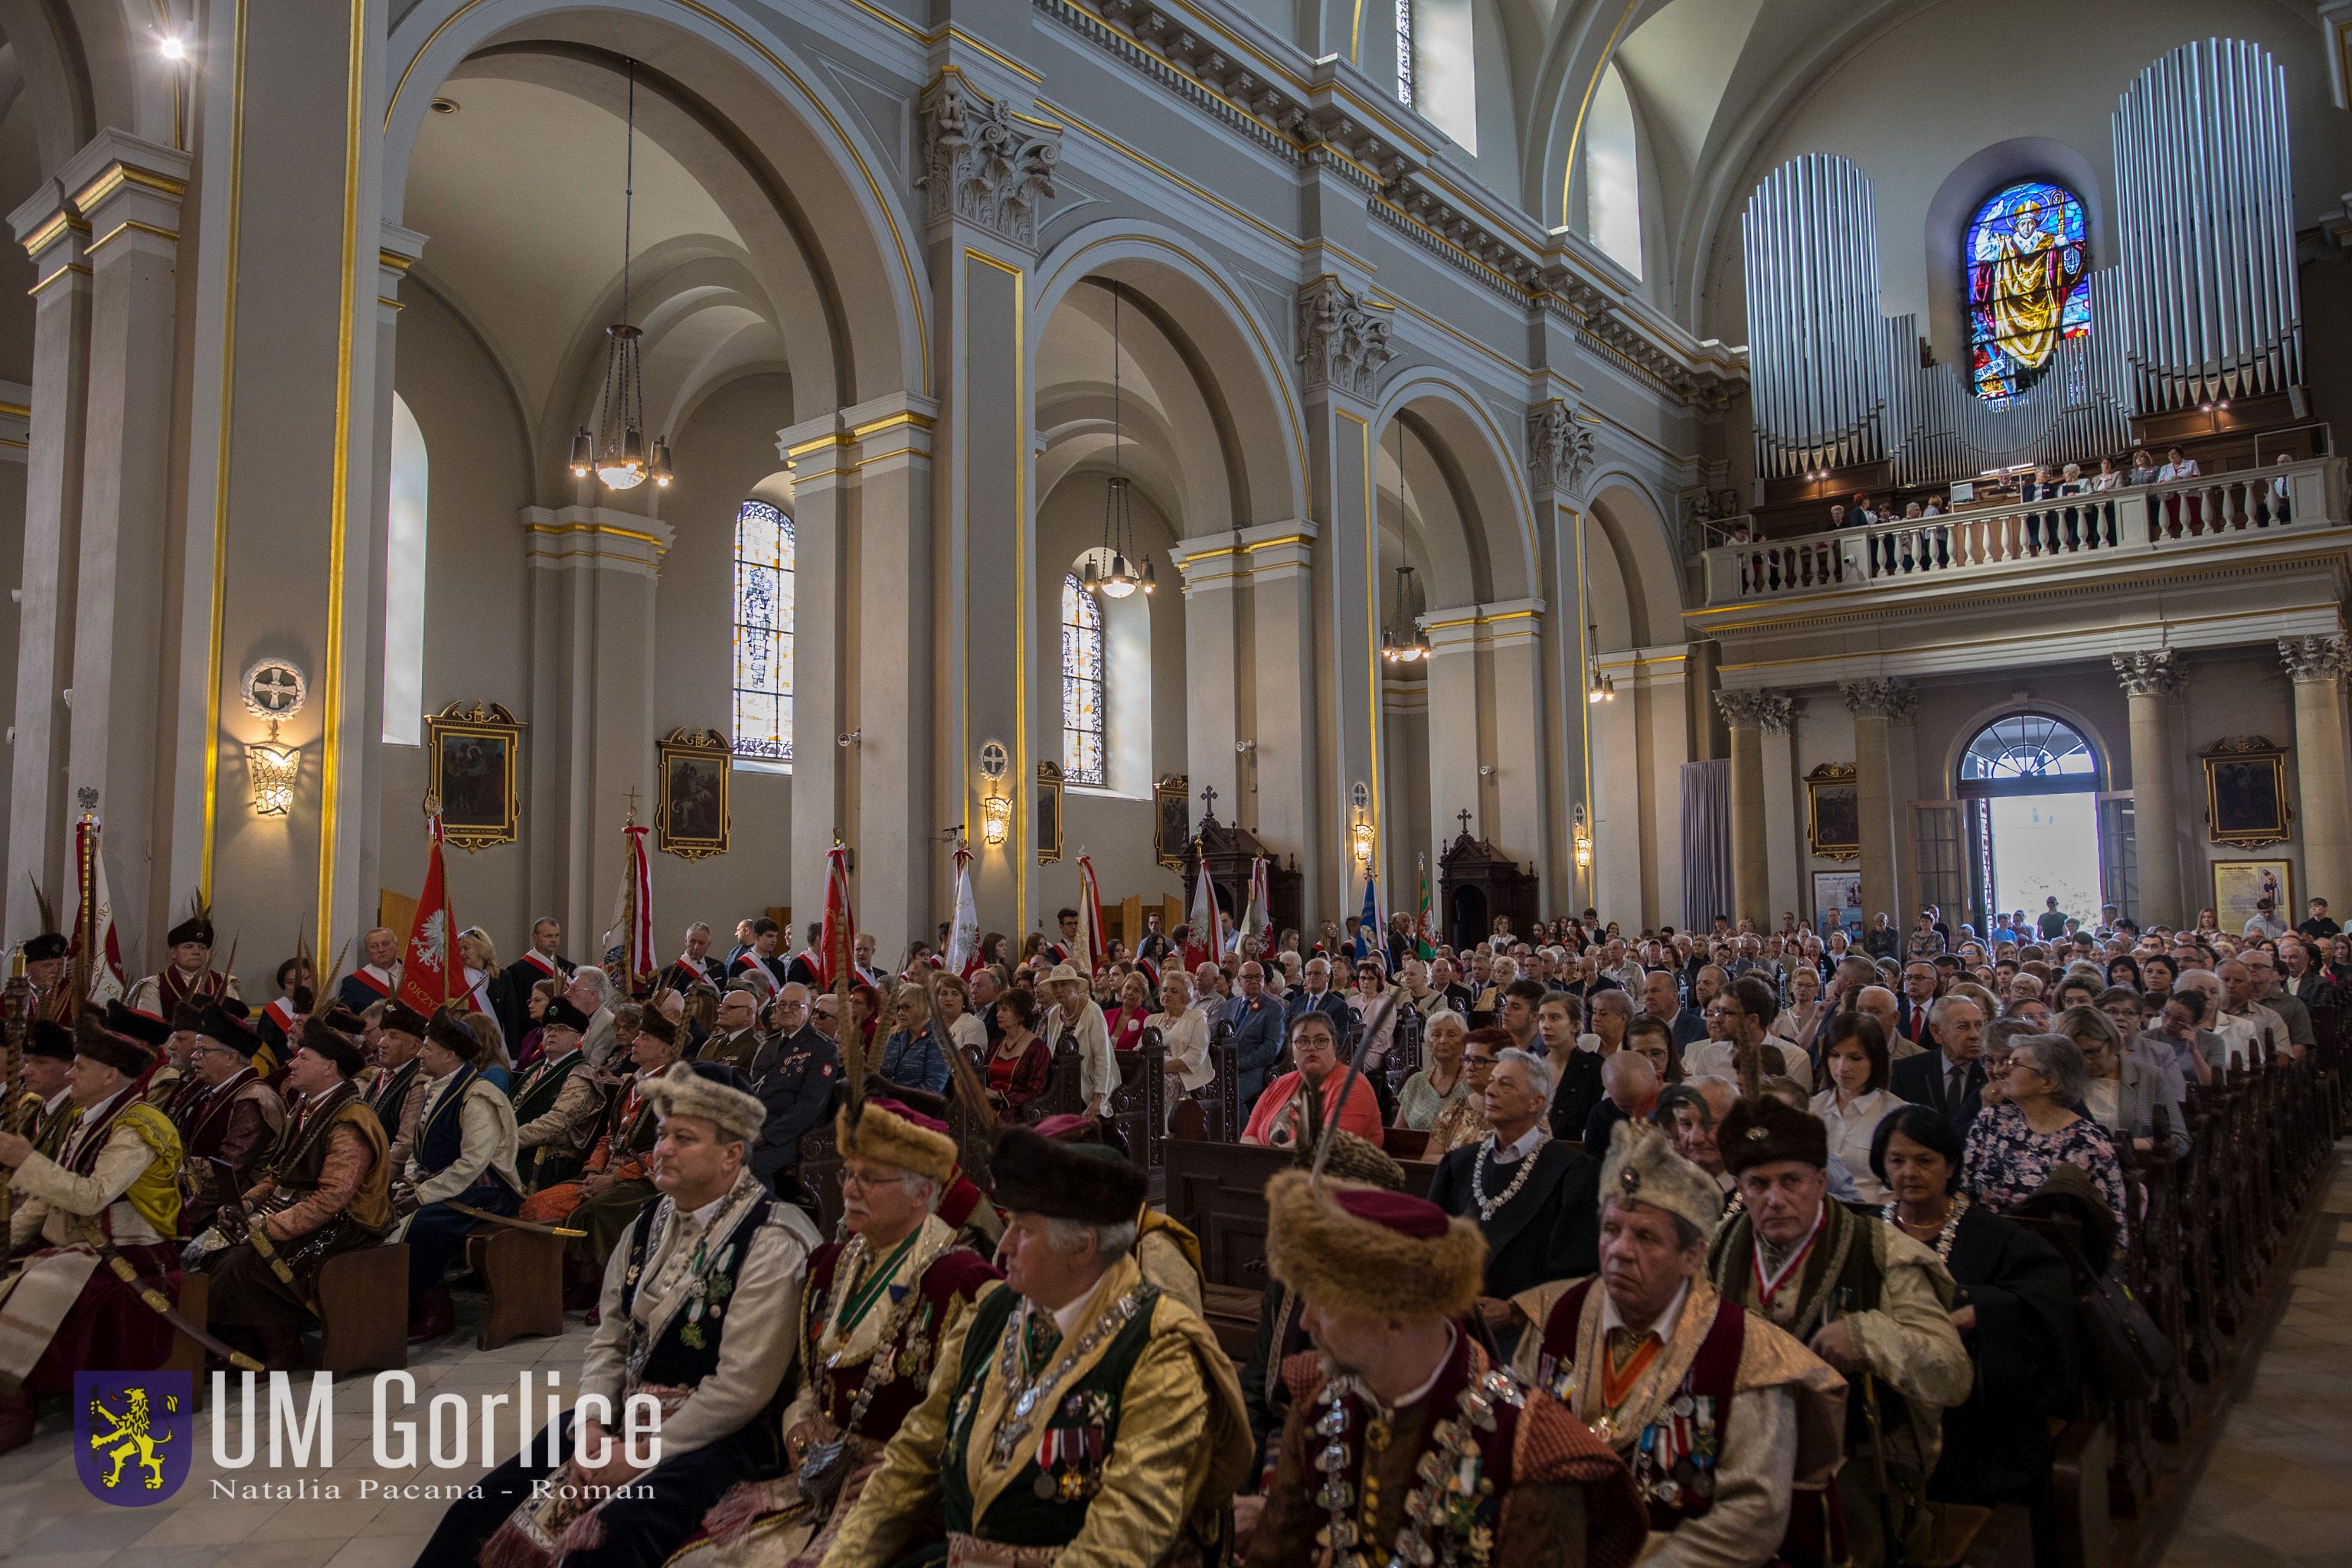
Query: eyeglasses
{"points": [[1471, 1061]]}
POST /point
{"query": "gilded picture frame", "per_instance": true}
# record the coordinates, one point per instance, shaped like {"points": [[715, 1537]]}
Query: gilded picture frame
{"points": [[1833, 812], [1049, 813], [692, 818], [1172, 820], [475, 769], [2246, 792]]}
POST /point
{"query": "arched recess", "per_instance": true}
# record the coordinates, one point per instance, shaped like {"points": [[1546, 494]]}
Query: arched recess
{"points": [[785, 140], [1955, 203], [1631, 526], [1638, 739], [46, 69]]}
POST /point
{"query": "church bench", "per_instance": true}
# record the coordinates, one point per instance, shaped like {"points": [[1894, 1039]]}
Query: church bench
{"points": [[363, 1310], [1232, 1314], [195, 1303], [523, 1272]]}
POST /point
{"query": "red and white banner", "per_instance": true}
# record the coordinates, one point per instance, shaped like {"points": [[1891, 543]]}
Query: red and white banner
{"points": [[963, 955], [840, 935], [1093, 946], [106, 980], [630, 942], [428, 975], [1204, 923], [1252, 939]]}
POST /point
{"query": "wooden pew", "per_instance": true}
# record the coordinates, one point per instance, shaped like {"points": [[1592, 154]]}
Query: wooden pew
{"points": [[363, 1310], [523, 1272]]}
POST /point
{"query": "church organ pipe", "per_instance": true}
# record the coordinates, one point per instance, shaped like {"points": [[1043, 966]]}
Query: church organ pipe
{"points": [[1816, 356]]}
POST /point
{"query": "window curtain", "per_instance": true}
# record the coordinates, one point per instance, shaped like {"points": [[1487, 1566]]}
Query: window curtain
{"points": [[1706, 843]]}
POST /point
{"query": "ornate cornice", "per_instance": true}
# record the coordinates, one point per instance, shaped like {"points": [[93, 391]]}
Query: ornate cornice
{"points": [[1342, 343], [1770, 711], [1893, 700], [2155, 672], [982, 164], [2314, 658], [1559, 445]]}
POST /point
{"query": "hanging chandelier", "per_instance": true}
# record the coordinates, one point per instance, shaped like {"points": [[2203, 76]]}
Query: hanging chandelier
{"points": [[1117, 579], [1604, 688], [1406, 643], [616, 453]]}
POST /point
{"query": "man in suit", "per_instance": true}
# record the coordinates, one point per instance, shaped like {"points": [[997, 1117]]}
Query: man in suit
{"points": [[694, 965], [2304, 981], [793, 1074], [1660, 996], [760, 966], [735, 1041], [376, 979], [1922, 982], [511, 1000], [1259, 1022], [807, 965], [2275, 992], [1950, 1078], [1315, 992], [1536, 1201]]}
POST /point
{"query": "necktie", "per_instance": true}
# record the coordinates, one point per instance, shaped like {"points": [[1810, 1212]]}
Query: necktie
{"points": [[1960, 1084]]}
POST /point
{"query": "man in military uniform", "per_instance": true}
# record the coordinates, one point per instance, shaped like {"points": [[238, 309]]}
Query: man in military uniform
{"points": [[1080, 1417], [1859, 1294], [48, 1106], [1404, 1442], [1720, 1415], [116, 1180], [465, 1152], [227, 1129], [325, 1189], [875, 1313], [699, 1317], [399, 1086], [794, 1075], [44, 971], [190, 976], [558, 1101]]}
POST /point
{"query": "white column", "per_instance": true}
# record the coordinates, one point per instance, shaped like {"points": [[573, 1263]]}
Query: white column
{"points": [[1750, 715], [398, 252], [1619, 889], [56, 236], [820, 480], [900, 847], [1513, 633], [2150, 678], [1878, 706], [1784, 841], [2316, 665], [1215, 572], [1454, 754], [1285, 765]]}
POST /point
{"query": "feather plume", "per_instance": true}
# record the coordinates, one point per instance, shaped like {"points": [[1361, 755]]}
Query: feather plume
{"points": [[1749, 1058], [49, 911], [971, 1090], [1374, 1021]]}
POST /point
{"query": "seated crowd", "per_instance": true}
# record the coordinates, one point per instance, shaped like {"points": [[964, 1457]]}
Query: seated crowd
{"points": [[1718, 1251]]}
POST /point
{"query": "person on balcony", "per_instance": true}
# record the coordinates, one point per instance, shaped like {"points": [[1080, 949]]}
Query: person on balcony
{"points": [[2177, 467]]}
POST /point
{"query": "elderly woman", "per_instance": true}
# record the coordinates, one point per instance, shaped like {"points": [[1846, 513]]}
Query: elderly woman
{"points": [[1855, 1061], [915, 1055], [1184, 1030], [951, 1004], [1126, 1021], [2013, 1147], [2122, 1092], [2014, 1309], [1022, 1063], [1799, 1021], [1464, 1120], [1441, 1081]]}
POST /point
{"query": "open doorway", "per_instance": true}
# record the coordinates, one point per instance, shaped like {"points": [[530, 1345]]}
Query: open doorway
{"points": [[2031, 783]]}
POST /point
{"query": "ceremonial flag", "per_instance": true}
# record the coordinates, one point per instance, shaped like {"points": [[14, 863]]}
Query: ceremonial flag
{"points": [[428, 974], [94, 911], [1370, 917], [1207, 923], [1250, 939], [1091, 942], [630, 942], [1424, 925], [963, 931], [840, 923]]}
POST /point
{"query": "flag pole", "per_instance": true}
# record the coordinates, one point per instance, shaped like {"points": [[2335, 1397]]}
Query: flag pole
{"points": [[85, 843]]}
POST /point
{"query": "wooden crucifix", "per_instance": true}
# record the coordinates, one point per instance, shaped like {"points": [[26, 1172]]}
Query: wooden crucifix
{"points": [[1463, 817], [1208, 802]]}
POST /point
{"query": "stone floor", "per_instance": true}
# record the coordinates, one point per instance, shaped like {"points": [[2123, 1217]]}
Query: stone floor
{"points": [[2275, 1493]]}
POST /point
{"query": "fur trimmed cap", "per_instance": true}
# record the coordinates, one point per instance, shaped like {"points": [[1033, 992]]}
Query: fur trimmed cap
{"points": [[400, 1017], [893, 1133], [1644, 1168], [659, 1025], [1092, 1184], [46, 945], [197, 927], [562, 1015], [50, 1038], [218, 1023], [341, 1019], [1764, 1131], [711, 1091], [188, 1017], [100, 1044], [448, 1031], [332, 1044], [1354, 1160], [1359, 1249], [144, 1027]]}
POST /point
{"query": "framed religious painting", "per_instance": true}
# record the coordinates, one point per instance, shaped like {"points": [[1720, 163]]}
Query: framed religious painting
{"points": [[1049, 813], [1833, 812], [2240, 886], [476, 751], [1172, 820], [692, 818], [2246, 792]]}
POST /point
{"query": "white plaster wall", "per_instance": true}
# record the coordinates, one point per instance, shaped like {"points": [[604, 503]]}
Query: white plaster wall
{"points": [[12, 571]]}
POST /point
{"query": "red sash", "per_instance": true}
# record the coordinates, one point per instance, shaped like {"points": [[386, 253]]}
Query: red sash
{"points": [[380, 987], [282, 1013], [542, 965]]}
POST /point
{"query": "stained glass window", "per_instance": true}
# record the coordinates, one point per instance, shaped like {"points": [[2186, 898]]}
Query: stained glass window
{"points": [[763, 633], [1082, 685], [2029, 285], [2027, 747]]}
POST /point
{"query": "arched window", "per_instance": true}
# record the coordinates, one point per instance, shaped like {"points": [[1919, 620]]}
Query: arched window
{"points": [[1437, 66], [2029, 285], [763, 633], [1082, 684], [2028, 752], [404, 582], [1612, 174]]}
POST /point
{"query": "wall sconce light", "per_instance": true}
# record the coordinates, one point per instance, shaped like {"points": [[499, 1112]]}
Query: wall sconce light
{"points": [[1244, 747], [274, 770], [1362, 835], [848, 738], [1583, 842], [995, 812]]}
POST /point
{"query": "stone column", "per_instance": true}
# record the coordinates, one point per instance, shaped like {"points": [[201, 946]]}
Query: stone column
{"points": [[57, 237], [1454, 754], [987, 176], [1281, 780], [399, 251], [899, 846], [1751, 714], [819, 459], [1878, 706], [2149, 680], [1342, 345], [1513, 634], [1213, 569], [2316, 665], [1559, 453]]}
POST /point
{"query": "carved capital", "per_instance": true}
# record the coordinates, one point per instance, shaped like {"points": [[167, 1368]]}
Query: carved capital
{"points": [[1770, 711], [2314, 658], [2155, 672], [1342, 343], [1559, 445], [1891, 700], [982, 164]]}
